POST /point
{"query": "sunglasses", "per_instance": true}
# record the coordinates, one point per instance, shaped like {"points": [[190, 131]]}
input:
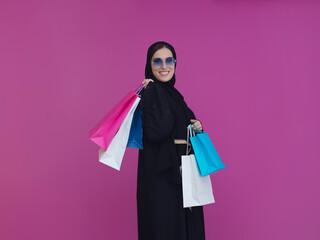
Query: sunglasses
{"points": [[157, 62]]}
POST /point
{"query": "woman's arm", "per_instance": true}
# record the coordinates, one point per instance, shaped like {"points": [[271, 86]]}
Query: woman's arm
{"points": [[157, 118]]}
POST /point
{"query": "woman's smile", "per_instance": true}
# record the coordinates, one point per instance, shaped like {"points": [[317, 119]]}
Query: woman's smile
{"points": [[164, 73]]}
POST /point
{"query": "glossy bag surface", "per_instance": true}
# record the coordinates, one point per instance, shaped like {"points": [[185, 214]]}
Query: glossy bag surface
{"points": [[114, 154], [196, 189], [107, 127], [135, 137], [206, 155]]}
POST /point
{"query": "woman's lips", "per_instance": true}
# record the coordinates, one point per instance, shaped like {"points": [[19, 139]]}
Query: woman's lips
{"points": [[164, 73]]}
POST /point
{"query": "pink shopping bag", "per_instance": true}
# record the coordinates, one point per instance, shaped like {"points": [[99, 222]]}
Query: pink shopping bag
{"points": [[105, 130]]}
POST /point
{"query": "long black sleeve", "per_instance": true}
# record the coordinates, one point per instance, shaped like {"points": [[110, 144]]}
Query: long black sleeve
{"points": [[157, 117]]}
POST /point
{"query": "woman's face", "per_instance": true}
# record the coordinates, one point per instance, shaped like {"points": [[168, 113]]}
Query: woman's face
{"points": [[164, 72]]}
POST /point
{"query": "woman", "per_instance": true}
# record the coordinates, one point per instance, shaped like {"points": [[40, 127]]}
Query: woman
{"points": [[165, 117]]}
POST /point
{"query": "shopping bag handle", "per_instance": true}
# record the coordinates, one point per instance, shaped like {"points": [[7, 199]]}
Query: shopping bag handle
{"points": [[197, 128], [188, 134], [191, 133], [139, 89]]}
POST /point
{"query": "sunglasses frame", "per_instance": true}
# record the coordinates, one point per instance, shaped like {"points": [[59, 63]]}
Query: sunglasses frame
{"points": [[163, 60]]}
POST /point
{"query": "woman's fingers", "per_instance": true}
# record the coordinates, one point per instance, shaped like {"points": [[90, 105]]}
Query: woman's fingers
{"points": [[146, 81], [198, 126], [197, 123]]}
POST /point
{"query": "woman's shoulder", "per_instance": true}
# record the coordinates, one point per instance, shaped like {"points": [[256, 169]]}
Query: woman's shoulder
{"points": [[153, 90]]}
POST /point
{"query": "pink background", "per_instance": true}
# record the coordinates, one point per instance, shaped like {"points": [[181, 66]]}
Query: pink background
{"points": [[248, 69]]}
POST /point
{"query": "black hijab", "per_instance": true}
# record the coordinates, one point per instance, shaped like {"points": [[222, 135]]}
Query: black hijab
{"points": [[169, 85]]}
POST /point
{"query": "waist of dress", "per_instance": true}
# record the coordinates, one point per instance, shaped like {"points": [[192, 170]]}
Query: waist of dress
{"points": [[181, 141]]}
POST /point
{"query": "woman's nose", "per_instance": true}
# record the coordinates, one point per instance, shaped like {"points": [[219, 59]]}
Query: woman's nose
{"points": [[163, 65]]}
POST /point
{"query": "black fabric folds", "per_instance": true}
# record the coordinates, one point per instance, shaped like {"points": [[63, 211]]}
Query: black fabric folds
{"points": [[170, 90], [165, 117]]}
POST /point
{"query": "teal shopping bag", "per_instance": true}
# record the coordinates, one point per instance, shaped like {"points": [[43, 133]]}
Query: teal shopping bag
{"points": [[207, 157]]}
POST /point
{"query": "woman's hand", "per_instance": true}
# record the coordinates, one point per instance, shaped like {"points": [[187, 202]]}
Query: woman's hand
{"points": [[197, 123], [146, 81]]}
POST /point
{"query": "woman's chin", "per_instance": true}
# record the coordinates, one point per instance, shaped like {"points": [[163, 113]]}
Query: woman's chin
{"points": [[164, 79]]}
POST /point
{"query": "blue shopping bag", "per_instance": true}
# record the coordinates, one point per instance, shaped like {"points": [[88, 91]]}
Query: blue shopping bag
{"points": [[135, 136], [207, 157]]}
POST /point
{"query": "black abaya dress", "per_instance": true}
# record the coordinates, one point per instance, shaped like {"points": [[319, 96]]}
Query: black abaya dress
{"points": [[161, 215]]}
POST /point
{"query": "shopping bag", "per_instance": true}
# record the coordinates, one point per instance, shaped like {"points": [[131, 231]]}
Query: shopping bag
{"points": [[206, 155], [196, 189], [135, 137], [106, 128], [114, 154]]}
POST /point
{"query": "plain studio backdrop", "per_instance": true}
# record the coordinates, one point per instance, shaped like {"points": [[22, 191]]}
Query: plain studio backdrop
{"points": [[248, 69]]}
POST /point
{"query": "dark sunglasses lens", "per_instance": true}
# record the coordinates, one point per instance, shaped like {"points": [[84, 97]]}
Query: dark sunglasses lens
{"points": [[157, 62], [170, 61]]}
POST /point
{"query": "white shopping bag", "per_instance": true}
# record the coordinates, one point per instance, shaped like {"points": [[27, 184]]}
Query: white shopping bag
{"points": [[196, 189], [114, 154]]}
